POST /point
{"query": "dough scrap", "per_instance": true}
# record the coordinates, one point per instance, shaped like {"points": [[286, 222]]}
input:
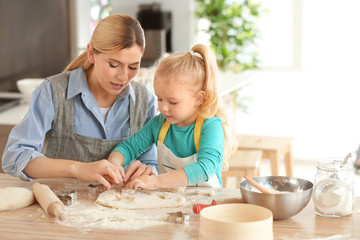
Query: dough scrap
{"points": [[15, 197], [140, 199]]}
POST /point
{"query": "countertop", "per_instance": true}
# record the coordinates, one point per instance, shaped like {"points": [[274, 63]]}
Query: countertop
{"points": [[13, 116], [32, 222]]}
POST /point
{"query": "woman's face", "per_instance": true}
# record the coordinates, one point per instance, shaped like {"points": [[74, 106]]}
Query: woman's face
{"points": [[114, 71]]}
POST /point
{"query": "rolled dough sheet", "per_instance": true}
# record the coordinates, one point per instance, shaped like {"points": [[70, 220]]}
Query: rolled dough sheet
{"points": [[140, 199], [15, 197]]}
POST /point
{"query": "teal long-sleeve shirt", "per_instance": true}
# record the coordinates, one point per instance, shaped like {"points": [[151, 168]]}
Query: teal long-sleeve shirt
{"points": [[180, 140]]}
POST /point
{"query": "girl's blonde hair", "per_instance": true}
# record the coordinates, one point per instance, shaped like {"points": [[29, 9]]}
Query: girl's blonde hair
{"points": [[200, 69], [112, 34]]}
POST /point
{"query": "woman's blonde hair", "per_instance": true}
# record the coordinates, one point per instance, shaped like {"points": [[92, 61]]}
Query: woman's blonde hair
{"points": [[112, 34], [200, 69]]}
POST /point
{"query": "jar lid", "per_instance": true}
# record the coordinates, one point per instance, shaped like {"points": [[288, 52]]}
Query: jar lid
{"points": [[333, 165]]}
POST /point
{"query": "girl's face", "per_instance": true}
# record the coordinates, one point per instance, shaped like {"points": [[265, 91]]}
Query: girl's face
{"points": [[177, 101], [114, 71]]}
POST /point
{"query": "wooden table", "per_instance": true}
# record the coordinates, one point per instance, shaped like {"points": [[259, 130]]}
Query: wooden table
{"points": [[30, 223], [273, 148]]}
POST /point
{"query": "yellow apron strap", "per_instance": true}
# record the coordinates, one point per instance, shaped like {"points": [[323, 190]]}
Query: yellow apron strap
{"points": [[197, 131], [163, 131]]}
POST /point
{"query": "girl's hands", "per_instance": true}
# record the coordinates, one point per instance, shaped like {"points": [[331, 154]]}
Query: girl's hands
{"points": [[137, 169], [176, 178], [144, 182], [102, 171]]}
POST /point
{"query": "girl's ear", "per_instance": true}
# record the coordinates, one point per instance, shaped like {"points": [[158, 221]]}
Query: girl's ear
{"points": [[90, 53], [199, 98]]}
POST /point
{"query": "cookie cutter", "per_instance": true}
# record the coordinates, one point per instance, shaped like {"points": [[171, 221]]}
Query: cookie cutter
{"points": [[95, 188], [67, 197], [179, 217]]}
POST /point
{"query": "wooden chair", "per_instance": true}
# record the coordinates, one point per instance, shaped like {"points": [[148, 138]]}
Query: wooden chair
{"points": [[243, 163], [273, 148]]}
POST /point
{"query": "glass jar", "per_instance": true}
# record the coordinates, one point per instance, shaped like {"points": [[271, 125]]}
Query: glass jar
{"points": [[333, 194]]}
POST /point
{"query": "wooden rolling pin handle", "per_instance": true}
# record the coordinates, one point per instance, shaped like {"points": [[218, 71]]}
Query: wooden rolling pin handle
{"points": [[198, 207], [255, 184], [48, 201], [56, 209]]}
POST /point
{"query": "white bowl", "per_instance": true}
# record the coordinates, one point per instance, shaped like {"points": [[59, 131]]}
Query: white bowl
{"points": [[27, 86]]}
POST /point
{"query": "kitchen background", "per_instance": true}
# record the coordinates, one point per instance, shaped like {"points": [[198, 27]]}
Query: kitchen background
{"points": [[306, 87]]}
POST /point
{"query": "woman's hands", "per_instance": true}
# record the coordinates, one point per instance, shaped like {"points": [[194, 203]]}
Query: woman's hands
{"points": [[107, 172], [110, 173], [102, 171], [42, 167]]}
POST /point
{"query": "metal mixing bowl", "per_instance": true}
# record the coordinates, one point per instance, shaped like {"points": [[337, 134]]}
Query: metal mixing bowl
{"points": [[283, 205]]}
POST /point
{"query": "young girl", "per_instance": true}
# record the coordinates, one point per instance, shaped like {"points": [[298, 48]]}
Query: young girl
{"points": [[190, 132]]}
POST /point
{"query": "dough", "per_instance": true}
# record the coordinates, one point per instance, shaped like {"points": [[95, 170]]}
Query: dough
{"points": [[141, 199], [15, 197]]}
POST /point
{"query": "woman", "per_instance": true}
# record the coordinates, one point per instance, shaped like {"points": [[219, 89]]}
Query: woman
{"points": [[77, 117]]}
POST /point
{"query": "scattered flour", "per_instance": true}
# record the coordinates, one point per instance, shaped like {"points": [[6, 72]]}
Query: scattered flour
{"points": [[91, 215], [87, 214], [334, 237]]}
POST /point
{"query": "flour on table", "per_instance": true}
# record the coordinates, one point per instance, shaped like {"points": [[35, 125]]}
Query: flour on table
{"points": [[87, 216], [87, 213], [15, 197], [333, 237], [140, 199]]}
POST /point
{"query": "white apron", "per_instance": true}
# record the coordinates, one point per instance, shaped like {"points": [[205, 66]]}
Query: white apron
{"points": [[167, 161]]}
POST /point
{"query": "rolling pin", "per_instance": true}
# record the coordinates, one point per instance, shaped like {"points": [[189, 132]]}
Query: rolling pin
{"points": [[49, 201]]}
